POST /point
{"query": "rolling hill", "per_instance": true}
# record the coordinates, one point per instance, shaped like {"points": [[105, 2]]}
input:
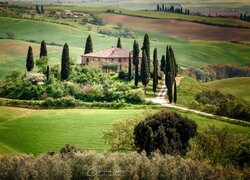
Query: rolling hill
{"points": [[239, 87]]}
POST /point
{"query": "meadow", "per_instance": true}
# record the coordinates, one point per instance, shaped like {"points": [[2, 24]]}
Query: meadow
{"points": [[238, 87], [39, 131], [188, 52]]}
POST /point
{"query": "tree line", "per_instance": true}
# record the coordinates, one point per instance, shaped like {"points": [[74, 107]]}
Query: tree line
{"points": [[244, 17], [38, 10], [179, 10]]}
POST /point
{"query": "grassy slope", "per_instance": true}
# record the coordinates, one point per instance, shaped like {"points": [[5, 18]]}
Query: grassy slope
{"points": [[239, 87], [47, 130], [10, 61], [187, 52], [37, 131]]}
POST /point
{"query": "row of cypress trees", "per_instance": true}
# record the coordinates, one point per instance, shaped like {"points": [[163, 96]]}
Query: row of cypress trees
{"points": [[65, 61], [168, 66]]}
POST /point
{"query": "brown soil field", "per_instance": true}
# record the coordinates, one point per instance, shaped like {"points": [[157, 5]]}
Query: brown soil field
{"points": [[177, 28]]}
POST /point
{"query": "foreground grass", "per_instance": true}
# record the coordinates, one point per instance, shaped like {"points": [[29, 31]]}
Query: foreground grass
{"points": [[238, 87], [38, 131]]}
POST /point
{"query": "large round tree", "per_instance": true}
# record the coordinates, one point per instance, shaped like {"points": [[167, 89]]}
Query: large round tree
{"points": [[166, 131]]}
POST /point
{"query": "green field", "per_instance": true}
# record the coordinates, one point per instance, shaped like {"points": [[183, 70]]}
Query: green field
{"points": [[38, 131], [155, 14], [239, 87], [188, 52]]}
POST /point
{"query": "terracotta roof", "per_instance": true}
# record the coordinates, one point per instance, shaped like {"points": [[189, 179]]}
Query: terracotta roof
{"points": [[109, 53]]}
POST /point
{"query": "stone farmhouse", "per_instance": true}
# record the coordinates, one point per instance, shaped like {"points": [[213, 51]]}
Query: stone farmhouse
{"points": [[110, 60]]}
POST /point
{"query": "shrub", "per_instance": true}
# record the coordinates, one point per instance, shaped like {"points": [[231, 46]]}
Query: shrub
{"points": [[220, 146], [223, 104], [67, 101], [119, 166], [16, 86], [166, 131], [134, 96]]}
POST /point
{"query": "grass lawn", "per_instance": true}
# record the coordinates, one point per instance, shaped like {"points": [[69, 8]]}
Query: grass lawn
{"points": [[239, 87], [38, 131]]}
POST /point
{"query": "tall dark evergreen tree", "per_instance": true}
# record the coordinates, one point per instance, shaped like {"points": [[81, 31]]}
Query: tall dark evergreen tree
{"points": [[163, 63], [136, 52], [158, 7], [145, 75], [170, 72], [175, 92], [146, 47], [119, 44], [65, 66], [37, 9], [169, 86], [47, 73], [129, 67], [167, 65], [42, 10], [155, 75], [30, 60], [88, 45], [43, 49]]}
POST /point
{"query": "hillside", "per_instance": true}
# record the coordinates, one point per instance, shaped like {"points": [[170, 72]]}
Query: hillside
{"points": [[188, 52], [239, 87]]}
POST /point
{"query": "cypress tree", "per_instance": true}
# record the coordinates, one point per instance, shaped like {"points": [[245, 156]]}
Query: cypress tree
{"points": [[42, 10], [129, 67], [155, 76], [47, 73], [43, 49], [30, 60], [119, 44], [146, 47], [169, 86], [65, 68], [163, 63], [144, 70], [88, 45], [136, 52], [37, 9], [175, 92], [167, 65]]}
